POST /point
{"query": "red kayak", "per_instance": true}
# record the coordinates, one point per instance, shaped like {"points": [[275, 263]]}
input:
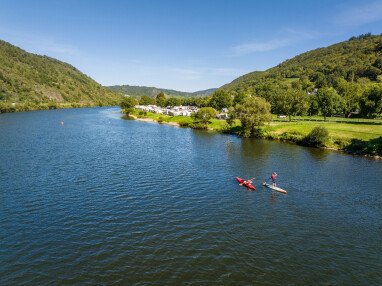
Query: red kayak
{"points": [[247, 185]]}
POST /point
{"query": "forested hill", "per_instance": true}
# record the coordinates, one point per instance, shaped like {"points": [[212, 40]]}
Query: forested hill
{"points": [[358, 60], [34, 80], [153, 91]]}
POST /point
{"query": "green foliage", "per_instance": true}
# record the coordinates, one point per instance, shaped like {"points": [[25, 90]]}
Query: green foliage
{"points": [[221, 99], [239, 98], [161, 99], [127, 104], [371, 102], [198, 125], [317, 137], [173, 101], [146, 100], [38, 82], [204, 115], [351, 94], [292, 102], [252, 113], [329, 102]]}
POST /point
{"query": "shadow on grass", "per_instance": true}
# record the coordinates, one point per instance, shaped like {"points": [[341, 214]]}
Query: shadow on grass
{"points": [[359, 147], [331, 121]]}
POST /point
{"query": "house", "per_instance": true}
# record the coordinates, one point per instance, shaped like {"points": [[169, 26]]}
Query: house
{"points": [[222, 116], [169, 110]]}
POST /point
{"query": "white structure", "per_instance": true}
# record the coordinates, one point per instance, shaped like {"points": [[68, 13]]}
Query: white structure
{"points": [[222, 116], [169, 110]]}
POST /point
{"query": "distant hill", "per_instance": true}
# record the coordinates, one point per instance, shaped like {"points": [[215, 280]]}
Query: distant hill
{"points": [[34, 79], [133, 90], [357, 60]]}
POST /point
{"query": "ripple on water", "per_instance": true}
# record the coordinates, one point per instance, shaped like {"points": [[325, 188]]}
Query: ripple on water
{"points": [[108, 201]]}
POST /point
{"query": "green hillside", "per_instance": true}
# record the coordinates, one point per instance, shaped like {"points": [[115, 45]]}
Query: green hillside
{"points": [[153, 91], [358, 60], [30, 81]]}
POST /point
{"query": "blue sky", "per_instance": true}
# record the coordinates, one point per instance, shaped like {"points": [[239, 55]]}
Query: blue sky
{"points": [[183, 45]]}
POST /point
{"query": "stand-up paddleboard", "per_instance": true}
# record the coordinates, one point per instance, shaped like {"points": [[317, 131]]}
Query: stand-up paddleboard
{"points": [[247, 185], [277, 189]]}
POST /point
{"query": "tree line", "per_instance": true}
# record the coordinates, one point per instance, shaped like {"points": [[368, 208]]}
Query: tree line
{"points": [[301, 98]]}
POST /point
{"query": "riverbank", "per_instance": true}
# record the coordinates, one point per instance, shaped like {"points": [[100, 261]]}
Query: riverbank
{"points": [[357, 137], [6, 107]]}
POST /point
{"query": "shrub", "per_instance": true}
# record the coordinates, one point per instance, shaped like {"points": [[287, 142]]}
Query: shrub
{"points": [[198, 125], [317, 137], [341, 142], [292, 136], [160, 119], [184, 124]]}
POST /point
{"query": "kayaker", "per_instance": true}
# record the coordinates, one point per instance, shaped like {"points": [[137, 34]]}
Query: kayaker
{"points": [[273, 178], [246, 182]]}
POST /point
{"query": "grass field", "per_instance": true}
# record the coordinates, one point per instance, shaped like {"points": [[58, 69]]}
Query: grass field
{"points": [[362, 131]]}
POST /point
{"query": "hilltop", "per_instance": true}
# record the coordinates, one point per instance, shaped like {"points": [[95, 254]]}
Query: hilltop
{"points": [[358, 60], [34, 81], [134, 90]]}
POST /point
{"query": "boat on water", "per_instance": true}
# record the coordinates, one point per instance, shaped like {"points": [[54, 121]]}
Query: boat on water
{"points": [[277, 189], [247, 185]]}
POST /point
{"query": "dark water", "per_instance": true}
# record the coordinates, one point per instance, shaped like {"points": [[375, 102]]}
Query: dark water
{"points": [[108, 201]]}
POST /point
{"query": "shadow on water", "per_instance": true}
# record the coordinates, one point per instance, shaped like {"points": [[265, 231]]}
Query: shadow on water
{"points": [[255, 147], [318, 154]]}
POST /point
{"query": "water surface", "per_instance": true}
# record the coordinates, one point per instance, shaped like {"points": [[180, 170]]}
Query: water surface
{"points": [[102, 200]]}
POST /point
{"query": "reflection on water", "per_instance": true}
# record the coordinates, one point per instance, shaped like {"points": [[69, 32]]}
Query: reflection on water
{"points": [[101, 200]]}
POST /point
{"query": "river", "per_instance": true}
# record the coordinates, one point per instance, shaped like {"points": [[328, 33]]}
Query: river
{"points": [[88, 198]]}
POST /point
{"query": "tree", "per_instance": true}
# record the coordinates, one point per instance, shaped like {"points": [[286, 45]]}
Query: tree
{"points": [[306, 84], [173, 101], [329, 102], [221, 99], [204, 115], [351, 94], [313, 105], [292, 102], [371, 102], [161, 99], [252, 113], [146, 100], [239, 97], [127, 104]]}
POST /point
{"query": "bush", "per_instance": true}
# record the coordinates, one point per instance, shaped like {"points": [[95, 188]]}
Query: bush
{"points": [[317, 137], [341, 142], [160, 119], [184, 124], [293, 136], [198, 125]]}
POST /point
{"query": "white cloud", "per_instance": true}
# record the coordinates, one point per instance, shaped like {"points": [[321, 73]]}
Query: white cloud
{"points": [[37, 44], [260, 46], [360, 15], [285, 38]]}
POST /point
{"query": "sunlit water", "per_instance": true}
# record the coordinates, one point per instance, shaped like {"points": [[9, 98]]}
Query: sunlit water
{"points": [[102, 200]]}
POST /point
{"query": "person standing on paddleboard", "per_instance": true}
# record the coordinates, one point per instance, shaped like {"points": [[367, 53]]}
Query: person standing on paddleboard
{"points": [[273, 178]]}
